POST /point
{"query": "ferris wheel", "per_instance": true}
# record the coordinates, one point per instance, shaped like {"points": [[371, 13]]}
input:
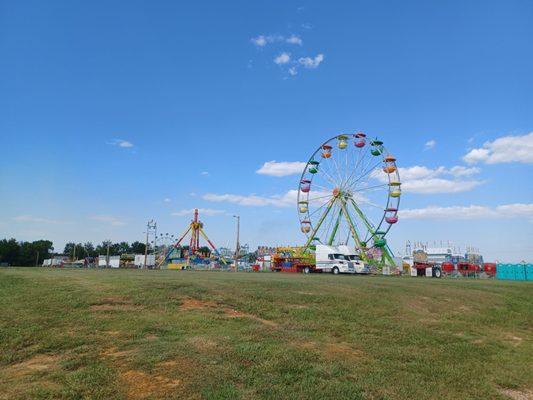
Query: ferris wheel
{"points": [[349, 194]]}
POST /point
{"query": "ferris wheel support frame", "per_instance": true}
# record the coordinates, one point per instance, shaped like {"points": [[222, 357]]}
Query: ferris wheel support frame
{"points": [[335, 228], [354, 231], [385, 251], [320, 221]]}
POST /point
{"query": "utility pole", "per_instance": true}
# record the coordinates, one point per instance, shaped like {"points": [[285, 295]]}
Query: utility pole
{"points": [[150, 226], [237, 246], [107, 256], [37, 259]]}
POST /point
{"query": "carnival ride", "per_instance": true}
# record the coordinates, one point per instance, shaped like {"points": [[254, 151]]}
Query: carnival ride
{"points": [[349, 194], [192, 252]]}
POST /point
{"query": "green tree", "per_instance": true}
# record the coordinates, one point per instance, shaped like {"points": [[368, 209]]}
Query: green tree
{"points": [[137, 247], [90, 249], [9, 251], [123, 248], [101, 249]]}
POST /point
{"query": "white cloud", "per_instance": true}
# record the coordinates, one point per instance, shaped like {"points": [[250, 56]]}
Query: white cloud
{"points": [[311, 63], [283, 58], [202, 211], [430, 144], [108, 219], [503, 150], [424, 180], [281, 168], [459, 170], [204, 173], [470, 212], [38, 220], [167, 200], [121, 143], [439, 185], [260, 41], [293, 39], [293, 71], [286, 200]]}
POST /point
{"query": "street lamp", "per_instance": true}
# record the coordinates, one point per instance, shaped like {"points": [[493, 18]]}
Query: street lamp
{"points": [[237, 244]]}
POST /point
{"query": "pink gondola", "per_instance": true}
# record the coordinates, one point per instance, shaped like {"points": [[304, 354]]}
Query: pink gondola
{"points": [[391, 220], [391, 209], [305, 185], [360, 143]]}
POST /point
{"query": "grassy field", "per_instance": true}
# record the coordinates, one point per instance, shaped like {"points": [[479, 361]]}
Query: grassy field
{"points": [[80, 334]]}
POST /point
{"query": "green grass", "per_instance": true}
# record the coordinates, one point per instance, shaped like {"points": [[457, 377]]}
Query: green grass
{"points": [[80, 334]]}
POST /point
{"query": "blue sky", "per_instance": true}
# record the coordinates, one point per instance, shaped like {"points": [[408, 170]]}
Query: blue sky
{"points": [[115, 113]]}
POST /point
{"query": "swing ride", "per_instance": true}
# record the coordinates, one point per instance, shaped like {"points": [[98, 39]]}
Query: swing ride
{"points": [[190, 255]]}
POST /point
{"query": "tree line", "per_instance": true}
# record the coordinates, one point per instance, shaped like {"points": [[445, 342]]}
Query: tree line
{"points": [[88, 249], [14, 252]]}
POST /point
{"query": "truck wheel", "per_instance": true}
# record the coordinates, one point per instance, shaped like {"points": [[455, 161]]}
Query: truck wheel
{"points": [[306, 270], [335, 271], [437, 273]]}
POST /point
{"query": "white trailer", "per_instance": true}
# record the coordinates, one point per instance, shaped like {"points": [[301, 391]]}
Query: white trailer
{"points": [[139, 260]]}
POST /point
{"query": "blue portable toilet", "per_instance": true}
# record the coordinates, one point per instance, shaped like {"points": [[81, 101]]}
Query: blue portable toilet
{"points": [[529, 272]]}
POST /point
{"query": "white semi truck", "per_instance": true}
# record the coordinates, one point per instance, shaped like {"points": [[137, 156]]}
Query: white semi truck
{"points": [[339, 260]]}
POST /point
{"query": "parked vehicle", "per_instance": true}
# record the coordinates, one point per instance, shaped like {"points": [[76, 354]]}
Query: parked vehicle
{"points": [[425, 268], [331, 259]]}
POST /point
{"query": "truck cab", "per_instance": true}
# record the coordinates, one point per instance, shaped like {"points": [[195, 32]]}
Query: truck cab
{"points": [[331, 259]]}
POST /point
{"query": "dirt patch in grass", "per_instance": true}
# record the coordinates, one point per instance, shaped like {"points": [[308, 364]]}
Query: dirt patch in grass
{"points": [[115, 353], [516, 394], [513, 339], [195, 304], [202, 343], [151, 336], [38, 363], [231, 313], [141, 385]]}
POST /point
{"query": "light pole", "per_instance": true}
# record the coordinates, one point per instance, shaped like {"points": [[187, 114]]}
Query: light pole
{"points": [[237, 244]]}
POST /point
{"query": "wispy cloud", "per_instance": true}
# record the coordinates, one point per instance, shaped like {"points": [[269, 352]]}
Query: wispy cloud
{"points": [[125, 144], [293, 39], [38, 220], [263, 40], [470, 212], [283, 58], [286, 200], [311, 63], [167, 200], [204, 173], [424, 180], [505, 149], [202, 211], [108, 219], [290, 63], [259, 41], [430, 144], [281, 168]]}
